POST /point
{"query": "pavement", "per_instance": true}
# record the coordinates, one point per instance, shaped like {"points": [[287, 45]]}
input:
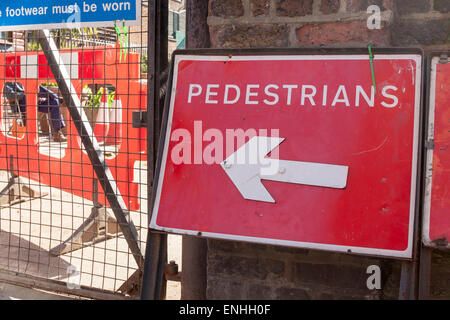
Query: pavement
{"points": [[13, 292], [30, 229], [10, 291]]}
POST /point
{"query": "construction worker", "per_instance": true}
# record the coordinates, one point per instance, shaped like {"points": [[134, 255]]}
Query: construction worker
{"points": [[49, 102], [15, 95]]}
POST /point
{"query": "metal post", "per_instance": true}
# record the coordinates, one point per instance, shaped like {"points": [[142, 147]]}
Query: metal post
{"points": [[408, 276], [197, 30], [153, 282], [193, 277], [90, 143], [425, 273], [194, 258]]}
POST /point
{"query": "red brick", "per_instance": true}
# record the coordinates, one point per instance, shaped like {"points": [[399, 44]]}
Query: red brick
{"points": [[293, 8], [245, 268], [330, 6], [332, 275], [292, 294], [337, 33], [226, 8], [221, 289], [442, 6], [413, 6], [249, 36], [260, 292], [410, 32], [362, 5], [260, 7]]}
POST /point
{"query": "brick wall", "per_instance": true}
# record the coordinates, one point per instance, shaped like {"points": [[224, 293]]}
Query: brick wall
{"points": [[296, 23], [251, 271], [138, 34], [18, 40]]}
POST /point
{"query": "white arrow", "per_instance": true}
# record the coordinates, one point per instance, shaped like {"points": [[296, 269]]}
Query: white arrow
{"points": [[249, 165]]}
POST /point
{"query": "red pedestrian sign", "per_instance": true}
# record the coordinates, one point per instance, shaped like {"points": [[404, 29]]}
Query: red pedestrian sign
{"points": [[293, 149], [436, 222]]}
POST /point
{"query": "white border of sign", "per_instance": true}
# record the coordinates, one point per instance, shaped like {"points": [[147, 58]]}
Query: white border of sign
{"points": [[429, 157], [407, 253], [64, 25]]}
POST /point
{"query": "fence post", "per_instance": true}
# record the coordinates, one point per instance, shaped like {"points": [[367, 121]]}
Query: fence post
{"points": [[194, 261], [153, 282]]}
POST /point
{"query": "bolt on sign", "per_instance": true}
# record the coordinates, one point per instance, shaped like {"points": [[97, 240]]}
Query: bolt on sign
{"points": [[436, 221], [293, 148]]}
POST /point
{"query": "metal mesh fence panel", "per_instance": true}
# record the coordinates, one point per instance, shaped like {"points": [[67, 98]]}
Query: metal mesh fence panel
{"points": [[56, 222]]}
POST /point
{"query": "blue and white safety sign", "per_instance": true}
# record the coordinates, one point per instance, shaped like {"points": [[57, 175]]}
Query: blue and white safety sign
{"points": [[59, 14]]}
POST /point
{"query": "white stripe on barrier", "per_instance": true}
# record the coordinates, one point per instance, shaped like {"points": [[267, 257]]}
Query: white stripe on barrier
{"points": [[71, 61], [29, 67]]}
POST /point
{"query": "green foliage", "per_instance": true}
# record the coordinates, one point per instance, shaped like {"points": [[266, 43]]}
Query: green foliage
{"points": [[111, 97], [144, 63], [95, 99], [49, 84], [33, 43], [64, 37]]}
